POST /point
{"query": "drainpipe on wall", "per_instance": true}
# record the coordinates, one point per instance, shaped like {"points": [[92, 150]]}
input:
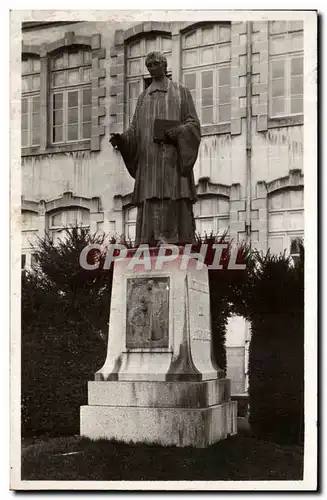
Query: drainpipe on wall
{"points": [[248, 129]]}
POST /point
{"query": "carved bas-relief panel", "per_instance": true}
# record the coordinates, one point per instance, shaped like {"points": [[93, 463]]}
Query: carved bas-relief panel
{"points": [[147, 320]]}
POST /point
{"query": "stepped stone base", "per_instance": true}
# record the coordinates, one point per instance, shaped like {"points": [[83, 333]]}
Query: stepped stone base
{"points": [[197, 427]]}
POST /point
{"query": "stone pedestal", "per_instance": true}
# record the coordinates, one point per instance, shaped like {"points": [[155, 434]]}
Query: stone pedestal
{"points": [[158, 383]]}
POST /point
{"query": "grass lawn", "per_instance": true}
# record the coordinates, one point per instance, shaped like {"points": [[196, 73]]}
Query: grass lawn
{"points": [[241, 457]]}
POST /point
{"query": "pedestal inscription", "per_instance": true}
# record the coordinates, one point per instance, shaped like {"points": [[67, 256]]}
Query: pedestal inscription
{"points": [[147, 318]]}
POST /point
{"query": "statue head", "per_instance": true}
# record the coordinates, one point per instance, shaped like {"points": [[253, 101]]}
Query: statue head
{"points": [[156, 64]]}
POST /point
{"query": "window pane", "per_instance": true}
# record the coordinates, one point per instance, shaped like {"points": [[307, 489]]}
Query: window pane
{"points": [[73, 132], [87, 96], [24, 105], [58, 62], [87, 57], [24, 138], [207, 35], [207, 79], [131, 214], [73, 99], [166, 44], [135, 49], [36, 104], [58, 101], [223, 225], [73, 76], [150, 45], [86, 74], [296, 198], [35, 137], [74, 59], [277, 88], [24, 122], [190, 39], [206, 206], [278, 44], [223, 206], [134, 90], [58, 117], [224, 76], [25, 83], [224, 95], [278, 69], [224, 33], [207, 115], [190, 81], [26, 66], [205, 226], [87, 113], [56, 220], [278, 26], [57, 134], [36, 65], [297, 105], [59, 78], [85, 219], [36, 121], [134, 67], [73, 115], [297, 41], [297, 66], [224, 53], [207, 55], [224, 113], [86, 130], [278, 107], [130, 232], [207, 97], [297, 85], [190, 58]]}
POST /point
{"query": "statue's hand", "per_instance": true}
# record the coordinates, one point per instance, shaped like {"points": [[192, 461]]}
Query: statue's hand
{"points": [[115, 141], [172, 135]]}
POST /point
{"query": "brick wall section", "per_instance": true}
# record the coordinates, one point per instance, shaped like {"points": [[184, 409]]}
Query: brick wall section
{"points": [[98, 89], [260, 74], [259, 215], [238, 76], [117, 84], [237, 205]]}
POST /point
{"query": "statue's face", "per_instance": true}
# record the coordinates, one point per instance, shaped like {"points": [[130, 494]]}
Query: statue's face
{"points": [[156, 68]]}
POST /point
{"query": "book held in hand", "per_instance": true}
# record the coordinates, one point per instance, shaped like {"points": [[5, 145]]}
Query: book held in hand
{"points": [[160, 128]]}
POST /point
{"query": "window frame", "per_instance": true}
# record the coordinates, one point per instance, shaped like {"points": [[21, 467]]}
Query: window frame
{"points": [[45, 52], [214, 217], [287, 58], [218, 126], [65, 89], [144, 74], [30, 95], [287, 118]]}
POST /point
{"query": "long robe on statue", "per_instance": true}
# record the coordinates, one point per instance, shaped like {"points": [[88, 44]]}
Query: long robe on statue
{"points": [[164, 190]]}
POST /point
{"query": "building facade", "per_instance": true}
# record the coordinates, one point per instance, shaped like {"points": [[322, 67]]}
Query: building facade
{"points": [[80, 82]]}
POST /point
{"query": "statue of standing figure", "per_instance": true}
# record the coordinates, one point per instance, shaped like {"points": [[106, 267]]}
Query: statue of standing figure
{"points": [[159, 150]]}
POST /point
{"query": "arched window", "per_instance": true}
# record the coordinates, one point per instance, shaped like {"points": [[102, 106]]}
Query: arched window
{"points": [[206, 64], [285, 220], [211, 215], [130, 222], [30, 117], [30, 231], [69, 217], [70, 96], [286, 68], [138, 77]]}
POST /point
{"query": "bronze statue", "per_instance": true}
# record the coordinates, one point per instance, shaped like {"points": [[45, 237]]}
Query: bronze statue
{"points": [[159, 150]]}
